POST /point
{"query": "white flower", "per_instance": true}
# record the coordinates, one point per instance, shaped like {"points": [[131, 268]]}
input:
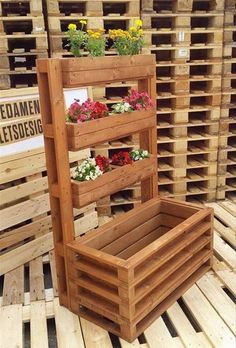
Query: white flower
{"points": [[87, 177]]}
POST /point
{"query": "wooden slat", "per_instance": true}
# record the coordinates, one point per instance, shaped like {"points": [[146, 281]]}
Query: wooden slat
{"points": [[24, 211], [216, 330], [225, 251], [185, 330], [36, 279], [13, 289], [68, 328], [223, 215], [157, 335], [38, 325], [95, 336], [25, 253], [219, 300], [11, 326]]}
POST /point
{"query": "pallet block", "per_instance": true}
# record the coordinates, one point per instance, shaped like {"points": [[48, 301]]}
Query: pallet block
{"points": [[117, 276]]}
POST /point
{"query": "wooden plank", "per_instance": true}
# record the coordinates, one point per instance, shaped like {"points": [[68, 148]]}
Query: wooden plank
{"points": [[53, 272], [23, 190], [25, 253], [134, 344], [223, 215], [210, 322], [228, 278], [227, 233], [36, 279], [24, 211], [19, 234], [219, 300], [94, 336], [186, 332], [229, 206], [157, 335], [13, 289], [224, 251], [11, 326], [68, 328], [38, 325]]}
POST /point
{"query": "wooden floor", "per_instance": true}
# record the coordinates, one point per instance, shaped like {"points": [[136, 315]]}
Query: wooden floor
{"points": [[205, 316]]}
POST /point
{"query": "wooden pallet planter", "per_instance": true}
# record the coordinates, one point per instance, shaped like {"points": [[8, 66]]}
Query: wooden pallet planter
{"points": [[109, 128], [118, 275], [117, 179]]}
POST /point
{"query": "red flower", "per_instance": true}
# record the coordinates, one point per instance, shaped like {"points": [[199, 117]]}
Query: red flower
{"points": [[121, 158], [89, 110], [138, 100], [102, 162]]}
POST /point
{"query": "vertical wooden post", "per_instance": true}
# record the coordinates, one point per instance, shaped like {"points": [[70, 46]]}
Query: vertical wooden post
{"points": [[148, 141], [57, 159]]}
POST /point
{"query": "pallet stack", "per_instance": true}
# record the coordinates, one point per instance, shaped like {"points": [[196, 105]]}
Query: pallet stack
{"points": [[23, 39], [226, 185], [186, 37]]}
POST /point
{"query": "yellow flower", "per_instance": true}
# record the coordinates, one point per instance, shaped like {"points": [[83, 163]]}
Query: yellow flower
{"points": [[139, 23], [140, 32], [132, 29], [83, 21], [72, 26]]}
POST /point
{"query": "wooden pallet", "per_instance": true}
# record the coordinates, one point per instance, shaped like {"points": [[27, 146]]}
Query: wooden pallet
{"points": [[204, 316], [15, 66], [168, 6], [11, 8], [25, 219], [97, 8]]}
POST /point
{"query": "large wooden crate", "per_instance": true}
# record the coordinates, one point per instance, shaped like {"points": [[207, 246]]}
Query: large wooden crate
{"points": [[127, 273]]}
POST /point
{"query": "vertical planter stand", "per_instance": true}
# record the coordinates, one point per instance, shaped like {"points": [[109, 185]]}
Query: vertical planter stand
{"points": [[125, 274]]}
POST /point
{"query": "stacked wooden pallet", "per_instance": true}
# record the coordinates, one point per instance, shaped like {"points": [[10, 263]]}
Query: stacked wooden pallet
{"points": [[23, 39], [227, 136], [29, 304], [186, 37]]}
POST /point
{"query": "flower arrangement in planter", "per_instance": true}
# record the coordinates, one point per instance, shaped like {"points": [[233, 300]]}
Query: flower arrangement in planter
{"points": [[92, 168], [140, 154], [128, 42], [91, 110], [125, 118], [125, 42], [98, 177]]}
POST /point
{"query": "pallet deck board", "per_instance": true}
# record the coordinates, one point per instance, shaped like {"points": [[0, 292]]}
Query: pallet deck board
{"points": [[206, 303]]}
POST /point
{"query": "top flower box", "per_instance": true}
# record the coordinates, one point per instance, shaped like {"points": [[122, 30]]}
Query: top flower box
{"points": [[94, 132], [88, 71]]}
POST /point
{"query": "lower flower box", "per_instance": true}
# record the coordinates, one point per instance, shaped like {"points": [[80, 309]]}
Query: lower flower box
{"points": [[125, 274], [90, 133], [87, 192]]}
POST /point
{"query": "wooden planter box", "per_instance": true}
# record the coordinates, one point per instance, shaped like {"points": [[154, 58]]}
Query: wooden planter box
{"points": [[125, 274], [94, 132], [117, 179]]}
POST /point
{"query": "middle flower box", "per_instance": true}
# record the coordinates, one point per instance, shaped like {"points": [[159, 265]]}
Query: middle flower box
{"points": [[94, 132], [85, 192]]}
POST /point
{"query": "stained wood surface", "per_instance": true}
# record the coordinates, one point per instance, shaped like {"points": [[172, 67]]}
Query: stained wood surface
{"points": [[204, 316]]}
